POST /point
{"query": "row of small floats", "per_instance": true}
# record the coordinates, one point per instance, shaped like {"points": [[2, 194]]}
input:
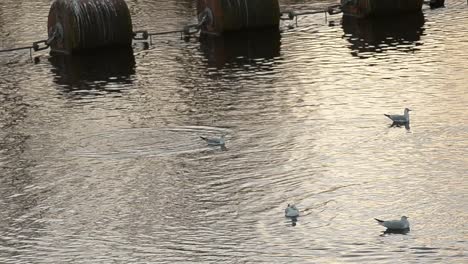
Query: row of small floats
{"points": [[75, 26]]}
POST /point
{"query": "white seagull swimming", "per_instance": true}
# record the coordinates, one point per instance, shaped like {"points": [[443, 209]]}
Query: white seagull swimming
{"points": [[291, 211], [215, 141], [401, 224], [400, 118]]}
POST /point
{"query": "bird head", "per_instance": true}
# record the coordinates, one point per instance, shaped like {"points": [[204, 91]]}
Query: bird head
{"points": [[222, 139]]}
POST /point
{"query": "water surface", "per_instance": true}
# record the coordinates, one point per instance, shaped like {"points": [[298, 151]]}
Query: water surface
{"points": [[101, 160]]}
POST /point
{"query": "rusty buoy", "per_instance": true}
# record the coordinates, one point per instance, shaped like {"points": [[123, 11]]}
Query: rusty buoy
{"points": [[230, 15], [79, 25]]}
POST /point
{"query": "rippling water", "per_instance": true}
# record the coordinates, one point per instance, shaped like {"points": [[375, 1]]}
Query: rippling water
{"points": [[101, 160]]}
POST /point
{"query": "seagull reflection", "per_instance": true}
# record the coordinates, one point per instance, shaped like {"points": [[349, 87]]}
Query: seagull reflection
{"points": [[395, 231], [406, 125], [293, 220]]}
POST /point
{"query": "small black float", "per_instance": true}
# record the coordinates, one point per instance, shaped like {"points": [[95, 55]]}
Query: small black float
{"points": [[436, 3], [243, 46], [78, 25]]}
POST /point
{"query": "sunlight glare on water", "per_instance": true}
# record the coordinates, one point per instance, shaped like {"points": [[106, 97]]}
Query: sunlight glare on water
{"points": [[101, 158]]}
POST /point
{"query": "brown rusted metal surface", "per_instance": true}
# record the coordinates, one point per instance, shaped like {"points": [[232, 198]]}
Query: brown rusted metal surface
{"points": [[232, 15], [375, 8], [80, 25]]}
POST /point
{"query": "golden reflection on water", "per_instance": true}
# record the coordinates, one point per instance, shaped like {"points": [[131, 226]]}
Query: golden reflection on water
{"points": [[103, 161]]}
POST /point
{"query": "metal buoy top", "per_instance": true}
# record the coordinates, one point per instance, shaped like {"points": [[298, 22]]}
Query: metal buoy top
{"points": [[78, 25]]}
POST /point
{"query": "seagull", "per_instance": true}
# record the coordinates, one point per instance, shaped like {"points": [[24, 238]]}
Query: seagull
{"points": [[401, 224], [291, 211], [215, 141], [400, 118]]}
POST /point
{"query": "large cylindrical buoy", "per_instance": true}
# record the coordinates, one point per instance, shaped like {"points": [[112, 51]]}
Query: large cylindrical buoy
{"points": [[229, 15], [79, 25]]}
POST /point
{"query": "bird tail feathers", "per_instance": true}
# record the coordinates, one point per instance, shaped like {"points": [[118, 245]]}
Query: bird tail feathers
{"points": [[387, 116], [379, 221]]}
